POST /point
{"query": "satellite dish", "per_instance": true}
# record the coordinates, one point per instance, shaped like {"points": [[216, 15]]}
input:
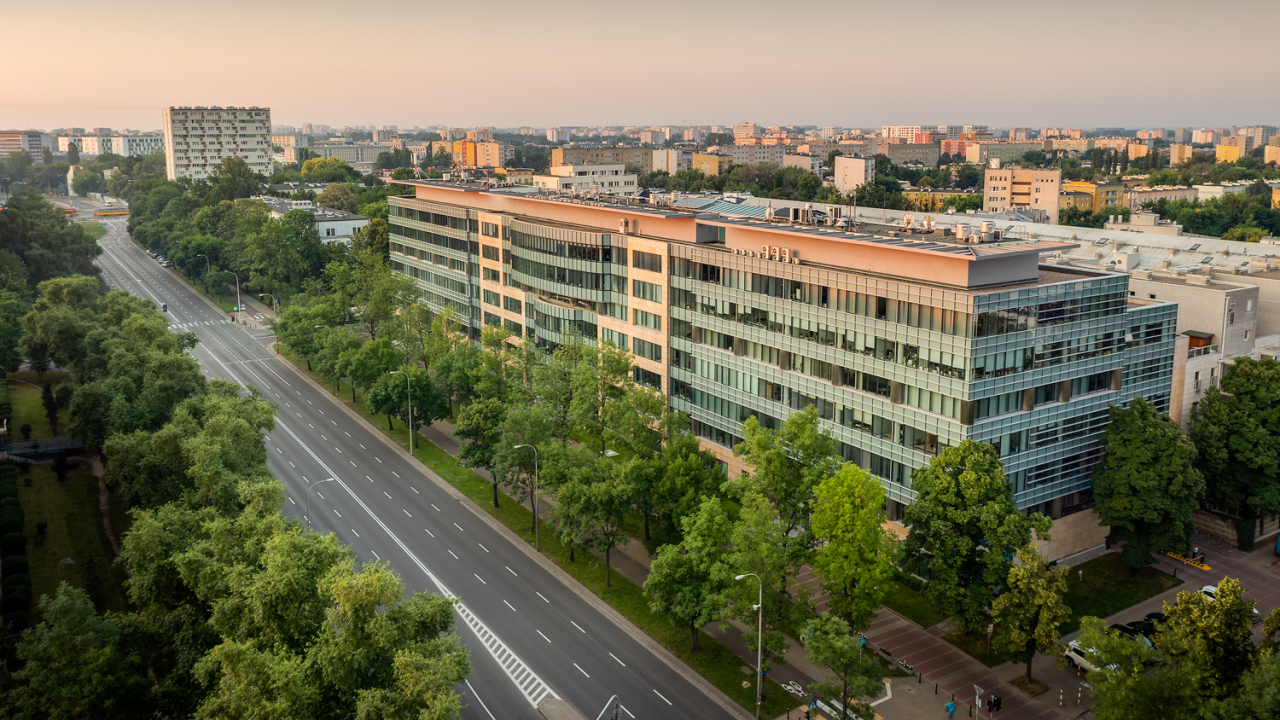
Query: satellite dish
{"points": [[908, 220]]}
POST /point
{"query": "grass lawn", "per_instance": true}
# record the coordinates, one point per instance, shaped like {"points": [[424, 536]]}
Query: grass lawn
{"points": [[912, 605], [93, 228], [27, 409], [714, 662], [75, 531], [1110, 586]]}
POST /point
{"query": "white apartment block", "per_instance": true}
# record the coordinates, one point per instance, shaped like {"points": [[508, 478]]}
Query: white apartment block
{"points": [[196, 139], [752, 154], [851, 173], [128, 145], [601, 179], [907, 132], [557, 135]]}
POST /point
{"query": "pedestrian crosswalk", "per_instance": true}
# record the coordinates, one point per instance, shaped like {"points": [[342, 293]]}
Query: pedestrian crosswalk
{"points": [[187, 325]]}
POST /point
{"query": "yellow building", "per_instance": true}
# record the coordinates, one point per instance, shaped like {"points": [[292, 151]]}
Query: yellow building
{"points": [[1179, 154], [1137, 150], [1101, 194], [710, 164], [1075, 199], [520, 176], [468, 153], [481, 135], [1275, 198], [934, 199], [1271, 154], [1227, 153]]}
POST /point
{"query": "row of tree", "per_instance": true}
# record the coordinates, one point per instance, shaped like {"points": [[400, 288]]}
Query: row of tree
{"points": [[241, 611]]}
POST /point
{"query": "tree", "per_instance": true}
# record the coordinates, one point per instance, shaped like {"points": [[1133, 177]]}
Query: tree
{"points": [[1028, 612], [367, 364], [1237, 436], [391, 395], [73, 153], [75, 660], [830, 643], [757, 545], [1259, 696], [965, 529], [1135, 681], [480, 424], [592, 506], [1215, 637], [856, 559], [50, 407], [683, 582], [333, 345], [787, 464], [232, 179], [1147, 485], [337, 196], [303, 328]]}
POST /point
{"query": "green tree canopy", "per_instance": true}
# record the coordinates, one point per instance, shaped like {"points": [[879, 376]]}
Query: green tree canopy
{"points": [[1028, 613], [856, 560]]}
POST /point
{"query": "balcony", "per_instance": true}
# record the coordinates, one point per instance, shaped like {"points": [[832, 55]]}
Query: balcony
{"points": [[1194, 353]]}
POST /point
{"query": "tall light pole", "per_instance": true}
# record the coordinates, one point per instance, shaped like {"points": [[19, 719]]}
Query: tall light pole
{"points": [[537, 543], [309, 496], [237, 277], [275, 302], [207, 270], [759, 639], [408, 392]]}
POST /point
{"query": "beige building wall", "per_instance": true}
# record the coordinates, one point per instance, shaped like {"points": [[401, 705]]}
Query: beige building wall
{"points": [[1229, 310], [640, 156], [1179, 154], [1017, 188], [1073, 534]]}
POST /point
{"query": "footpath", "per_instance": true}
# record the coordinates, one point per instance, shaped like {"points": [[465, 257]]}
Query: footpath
{"points": [[939, 669]]}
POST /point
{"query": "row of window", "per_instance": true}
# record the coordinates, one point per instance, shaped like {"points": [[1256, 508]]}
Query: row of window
{"points": [[565, 276], [425, 216], [562, 248], [426, 236], [443, 281], [461, 266]]}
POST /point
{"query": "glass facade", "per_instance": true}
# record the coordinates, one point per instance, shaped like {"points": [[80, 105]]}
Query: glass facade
{"points": [[897, 369]]}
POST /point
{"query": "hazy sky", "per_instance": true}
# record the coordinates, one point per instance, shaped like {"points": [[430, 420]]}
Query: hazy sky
{"points": [[1005, 63]]}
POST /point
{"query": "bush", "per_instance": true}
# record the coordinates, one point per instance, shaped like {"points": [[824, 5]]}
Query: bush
{"points": [[5, 502], [16, 621], [13, 544], [1245, 533], [16, 600], [11, 518], [8, 488], [16, 581], [16, 565]]}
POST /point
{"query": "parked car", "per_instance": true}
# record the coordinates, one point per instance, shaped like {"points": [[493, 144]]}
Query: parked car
{"points": [[1130, 633], [1077, 656], [167, 263], [1210, 591], [1146, 628]]}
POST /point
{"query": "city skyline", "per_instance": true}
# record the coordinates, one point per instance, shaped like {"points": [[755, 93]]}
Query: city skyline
{"points": [[547, 66]]}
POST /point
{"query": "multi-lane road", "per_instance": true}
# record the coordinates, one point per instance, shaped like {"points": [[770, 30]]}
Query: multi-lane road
{"points": [[531, 631]]}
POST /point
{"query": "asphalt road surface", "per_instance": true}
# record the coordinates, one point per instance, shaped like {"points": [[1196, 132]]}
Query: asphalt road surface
{"points": [[529, 632]]}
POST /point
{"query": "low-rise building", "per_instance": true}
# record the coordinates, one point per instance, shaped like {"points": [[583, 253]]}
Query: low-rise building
{"points": [[1137, 196], [935, 199], [1217, 190], [332, 225], [812, 163], [925, 154], [710, 163], [1103, 194], [589, 179], [671, 160], [1025, 189], [751, 154], [851, 173], [519, 176], [1143, 222]]}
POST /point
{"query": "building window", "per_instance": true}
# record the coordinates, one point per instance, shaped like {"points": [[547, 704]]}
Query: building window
{"points": [[646, 349], [646, 291], [492, 275], [648, 320], [512, 304], [490, 252], [491, 298], [646, 261]]}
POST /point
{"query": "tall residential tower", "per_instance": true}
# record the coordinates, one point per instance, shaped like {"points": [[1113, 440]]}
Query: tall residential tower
{"points": [[196, 139]]}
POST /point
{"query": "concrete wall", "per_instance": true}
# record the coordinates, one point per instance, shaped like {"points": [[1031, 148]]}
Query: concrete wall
{"points": [[1224, 528], [1072, 534], [1205, 308]]}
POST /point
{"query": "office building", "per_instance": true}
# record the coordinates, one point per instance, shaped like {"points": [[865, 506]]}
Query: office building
{"points": [[1034, 192], [851, 173], [1101, 195], [904, 346], [196, 139]]}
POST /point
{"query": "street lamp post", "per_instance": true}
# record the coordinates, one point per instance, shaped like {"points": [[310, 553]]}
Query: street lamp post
{"points": [[408, 391], [759, 639], [537, 543], [309, 496], [237, 277], [275, 302], [207, 270]]}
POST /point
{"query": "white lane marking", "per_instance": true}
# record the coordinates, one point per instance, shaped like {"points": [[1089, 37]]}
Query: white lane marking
{"points": [[375, 457], [393, 472], [406, 512], [279, 451], [535, 592], [512, 665], [344, 432], [655, 692], [362, 447], [335, 424], [513, 608], [429, 532], [353, 463], [615, 657], [577, 626], [321, 496], [384, 492], [459, 527], [292, 465], [486, 707], [584, 672], [366, 477], [482, 547], [513, 572], [339, 514], [354, 531], [375, 555], [434, 506], [455, 557], [480, 579], [624, 709], [415, 490], [321, 411], [544, 637], [291, 502], [335, 447]]}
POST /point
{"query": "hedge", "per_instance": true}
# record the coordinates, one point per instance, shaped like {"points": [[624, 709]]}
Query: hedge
{"points": [[16, 565], [13, 544]]}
